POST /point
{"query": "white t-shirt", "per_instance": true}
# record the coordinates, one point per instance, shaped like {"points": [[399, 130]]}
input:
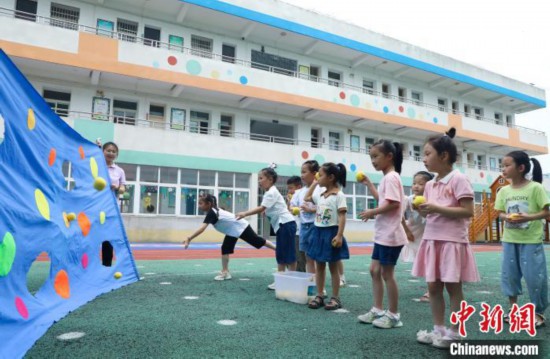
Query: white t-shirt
{"points": [[226, 222], [327, 208], [298, 201], [276, 209]]}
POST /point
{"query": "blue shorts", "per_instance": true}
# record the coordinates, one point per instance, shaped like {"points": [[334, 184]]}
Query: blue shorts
{"points": [[321, 249], [385, 254], [285, 252], [306, 233]]}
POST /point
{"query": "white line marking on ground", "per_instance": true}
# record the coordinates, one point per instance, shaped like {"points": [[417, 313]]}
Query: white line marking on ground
{"points": [[165, 283], [227, 322], [341, 310], [71, 336], [190, 297]]}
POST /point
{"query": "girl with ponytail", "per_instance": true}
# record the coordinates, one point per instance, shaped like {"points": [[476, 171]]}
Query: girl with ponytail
{"points": [[327, 241], [521, 206], [389, 233]]}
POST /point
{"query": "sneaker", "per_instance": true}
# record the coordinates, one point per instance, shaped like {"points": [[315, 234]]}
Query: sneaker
{"points": [[370, 316], [425, 337], [387, 322], [271, 286], [445, 341], [223, 276]]}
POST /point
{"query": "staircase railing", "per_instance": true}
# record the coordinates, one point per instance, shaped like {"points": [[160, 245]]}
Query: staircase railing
{"points": [[484, 215]]}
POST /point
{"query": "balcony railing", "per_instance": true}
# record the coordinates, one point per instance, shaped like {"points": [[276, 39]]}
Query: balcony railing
{"points": [[124, 36], [196, 129]]}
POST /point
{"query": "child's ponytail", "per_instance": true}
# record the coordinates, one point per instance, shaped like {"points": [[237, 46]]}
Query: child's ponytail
{"points": [[342, 173], [398, 157], [537, 170]]}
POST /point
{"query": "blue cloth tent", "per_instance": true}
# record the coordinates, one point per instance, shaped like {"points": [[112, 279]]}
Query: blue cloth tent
{"points": [[38, 214]]}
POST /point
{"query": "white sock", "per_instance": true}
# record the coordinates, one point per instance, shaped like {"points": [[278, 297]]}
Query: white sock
{"points": [[343, 277], [393, 315], [377, 311]]}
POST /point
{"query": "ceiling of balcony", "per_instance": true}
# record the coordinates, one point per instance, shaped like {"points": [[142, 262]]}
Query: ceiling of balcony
{"points": [[228, 25]]}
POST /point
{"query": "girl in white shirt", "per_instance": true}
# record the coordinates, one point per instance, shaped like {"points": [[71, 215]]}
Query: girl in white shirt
{"points": [[282, 221], [233, 228]]}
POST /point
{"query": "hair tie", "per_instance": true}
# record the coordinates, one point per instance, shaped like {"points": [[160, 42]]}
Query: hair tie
{"points": [[273, 165]]}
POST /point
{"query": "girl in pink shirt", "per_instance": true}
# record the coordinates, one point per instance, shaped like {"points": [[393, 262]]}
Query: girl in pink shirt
{"points": [[445, 257], [389, 234]]}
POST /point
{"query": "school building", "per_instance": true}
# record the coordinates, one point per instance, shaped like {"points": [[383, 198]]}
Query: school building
{"points": [[201, 94]]}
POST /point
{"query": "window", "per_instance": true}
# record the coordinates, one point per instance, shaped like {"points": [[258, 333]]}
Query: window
{"points": [[156, 113], [386, 90], [334, 78], [151, 36], [25, 9], [509, 120], [177, 119], [357, 199], [105, 28], [124, 112], [226, 125], [127, 30], [455, 107], [58, 101], [481, 162], [314, 72], [64, 16], [368, 86], [417, 153], [493, 164], [228, 53], [201, 46], [417, 97], [467, 110], [175, 43], [315, 138], [199, 122], [369, 141], [478, 111], [270, 62], [355, 143], [402, 93], [442, 104], [334, 141], [498, 118]]}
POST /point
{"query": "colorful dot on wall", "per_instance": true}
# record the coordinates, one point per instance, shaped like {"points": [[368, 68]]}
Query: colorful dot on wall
{"points": [[7, 254], [172, 60], [156, 64], [305, 155], [411, 112], [386, 109], [31, 122], [481, 174], [84, 223], [42, 204], [320, 159], [51, 157], [401, 109], [84, 260], [342, 95], [21, 308], [243, 80], [61, 284], [193, 67], [353, 167], [354, 100], [215, 74], [435, 120]]}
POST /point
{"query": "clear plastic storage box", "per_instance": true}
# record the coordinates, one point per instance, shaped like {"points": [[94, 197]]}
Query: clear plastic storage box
{"points": [[296, 287]]}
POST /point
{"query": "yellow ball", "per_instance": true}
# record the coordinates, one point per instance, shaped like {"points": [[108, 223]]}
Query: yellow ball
{"points": [[317, 176], [360, 176], [513, 215], [334, 242], [71, 216], [295, 211], [418, 200], [118, 275], [100, 184]]}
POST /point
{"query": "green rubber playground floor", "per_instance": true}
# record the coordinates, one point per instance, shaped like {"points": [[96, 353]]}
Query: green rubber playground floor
{"points": [[174, 312]]}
